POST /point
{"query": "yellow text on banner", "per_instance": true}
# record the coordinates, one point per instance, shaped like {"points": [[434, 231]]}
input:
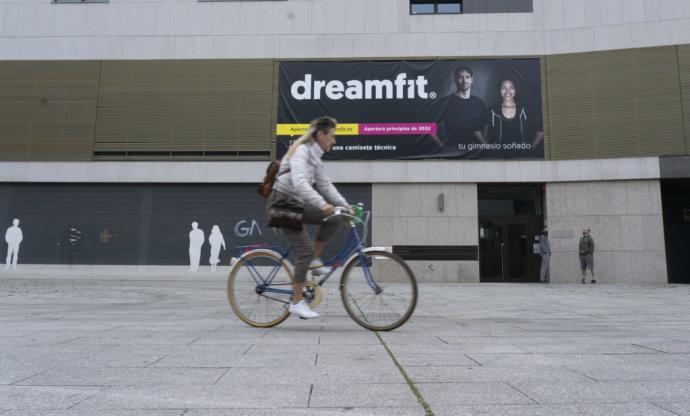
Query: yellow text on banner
{"points": [[300, 129]]}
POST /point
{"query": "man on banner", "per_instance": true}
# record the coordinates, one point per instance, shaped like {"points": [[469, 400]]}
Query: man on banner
{"points": [[458, 117]]}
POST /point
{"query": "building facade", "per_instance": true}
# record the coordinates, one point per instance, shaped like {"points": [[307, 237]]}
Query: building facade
{"points": [[121, 122]]}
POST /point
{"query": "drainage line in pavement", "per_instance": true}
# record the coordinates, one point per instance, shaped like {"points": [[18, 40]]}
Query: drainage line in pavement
{"points": [[311, 390], [410, 383]]}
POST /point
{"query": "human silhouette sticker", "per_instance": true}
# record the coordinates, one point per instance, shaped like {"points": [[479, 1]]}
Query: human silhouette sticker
{"points": [[196, 240], [13, 237], [216, 241]]}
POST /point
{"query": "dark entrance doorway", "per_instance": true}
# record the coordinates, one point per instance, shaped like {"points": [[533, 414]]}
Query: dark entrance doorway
{"points": [[510, 217], [675, 197]]}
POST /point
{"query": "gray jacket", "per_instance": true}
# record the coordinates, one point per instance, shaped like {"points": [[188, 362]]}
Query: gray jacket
{"points": [[307, 173], [586, 246], [544, 246]]}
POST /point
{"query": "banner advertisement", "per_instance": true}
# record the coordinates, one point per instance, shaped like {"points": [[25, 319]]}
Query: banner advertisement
{"points": [[471, 109]]}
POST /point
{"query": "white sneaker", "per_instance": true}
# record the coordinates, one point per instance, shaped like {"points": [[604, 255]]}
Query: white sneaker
{"points": [[302, 310], [317, 268]]}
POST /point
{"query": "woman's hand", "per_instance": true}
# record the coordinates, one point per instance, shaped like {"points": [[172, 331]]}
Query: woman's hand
{"points": [[327, 209]]}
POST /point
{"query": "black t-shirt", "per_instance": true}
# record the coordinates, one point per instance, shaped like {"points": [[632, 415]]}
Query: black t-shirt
{"points": [[457, 122]]}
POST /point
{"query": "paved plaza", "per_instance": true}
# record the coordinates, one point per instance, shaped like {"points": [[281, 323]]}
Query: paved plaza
{"points": [[108, 346]]}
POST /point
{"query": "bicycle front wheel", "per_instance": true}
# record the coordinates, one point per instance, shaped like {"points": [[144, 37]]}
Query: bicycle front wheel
{"points": [[258, 287], [379, 291]]}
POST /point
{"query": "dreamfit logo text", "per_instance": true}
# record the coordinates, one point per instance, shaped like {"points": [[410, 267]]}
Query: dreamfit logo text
{"points": [[375, 89]]}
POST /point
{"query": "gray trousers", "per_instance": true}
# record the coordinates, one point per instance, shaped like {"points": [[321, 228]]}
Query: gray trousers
{"points": [[544, 270], [587, 262], [304, 248]]}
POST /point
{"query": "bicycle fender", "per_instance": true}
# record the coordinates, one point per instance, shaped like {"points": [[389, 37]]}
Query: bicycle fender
{"points": [[366, 250], [381, 248]]}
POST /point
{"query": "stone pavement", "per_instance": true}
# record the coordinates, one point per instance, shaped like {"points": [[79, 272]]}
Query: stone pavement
{"points": [[110, 347]]}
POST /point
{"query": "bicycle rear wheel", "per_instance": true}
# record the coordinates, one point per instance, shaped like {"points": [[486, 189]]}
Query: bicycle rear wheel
{"points": [[249, 287], [378, 290]]}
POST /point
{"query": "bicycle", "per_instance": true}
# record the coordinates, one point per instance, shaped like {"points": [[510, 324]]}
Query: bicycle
{"points": [[377, 288]]}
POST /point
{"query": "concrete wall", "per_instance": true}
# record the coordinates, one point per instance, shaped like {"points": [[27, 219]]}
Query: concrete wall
{"points": [[378, 172], [408, 214], [162, 29], [624, 211], [627, 226]]}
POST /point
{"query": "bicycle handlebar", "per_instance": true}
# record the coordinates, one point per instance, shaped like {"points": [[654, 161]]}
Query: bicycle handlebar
{"points": [[342, 211]]}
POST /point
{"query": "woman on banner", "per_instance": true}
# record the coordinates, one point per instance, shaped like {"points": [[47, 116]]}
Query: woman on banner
{"points": [[512, 124]]}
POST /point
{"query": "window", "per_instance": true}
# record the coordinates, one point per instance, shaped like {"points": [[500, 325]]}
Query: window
{"points": [[435, 7], [235, 0]]}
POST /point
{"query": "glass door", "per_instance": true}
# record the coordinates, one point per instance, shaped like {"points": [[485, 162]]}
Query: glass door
{"points": [[509, 219]]}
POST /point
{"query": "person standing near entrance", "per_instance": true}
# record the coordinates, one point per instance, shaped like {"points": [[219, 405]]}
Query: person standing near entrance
{"points": [[545, 253], [586, 250]]}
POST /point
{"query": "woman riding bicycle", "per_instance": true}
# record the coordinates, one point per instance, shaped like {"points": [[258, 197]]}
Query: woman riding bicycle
{"points": [[302, 181]]}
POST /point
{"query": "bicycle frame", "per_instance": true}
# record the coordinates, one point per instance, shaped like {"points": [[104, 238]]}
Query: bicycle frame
{"points": [[353, 245]]}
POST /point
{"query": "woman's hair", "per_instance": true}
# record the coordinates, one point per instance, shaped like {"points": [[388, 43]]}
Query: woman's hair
{"points": [[322, 124], [215, 229]]}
